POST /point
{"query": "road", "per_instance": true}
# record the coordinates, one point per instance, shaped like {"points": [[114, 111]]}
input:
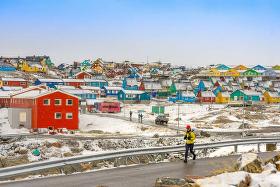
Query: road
{"points": [[136, 176]]}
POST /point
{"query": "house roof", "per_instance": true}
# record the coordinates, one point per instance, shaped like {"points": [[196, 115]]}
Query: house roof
{"points": [[188, 94], [152, 86], [65, 87], [94, 80], [207, 94], [78, 91], [50, 80], [274, 94], [133, 91], [251, 92], [31, 94], [181, 86], [73, 80], [12, 79], [90, 88], [112, 88], [225, 94], [11, 88]]}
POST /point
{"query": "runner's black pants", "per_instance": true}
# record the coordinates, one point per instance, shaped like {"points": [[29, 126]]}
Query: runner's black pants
{"points": [[189, 147]]}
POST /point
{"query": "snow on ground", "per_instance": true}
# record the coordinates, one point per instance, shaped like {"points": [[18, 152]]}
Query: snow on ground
{"points": [[112, 125], [5, 125], [214, 116], [265, 179]]}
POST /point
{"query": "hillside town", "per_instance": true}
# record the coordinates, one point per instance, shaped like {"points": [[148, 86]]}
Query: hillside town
{"points": [[33, 85]]}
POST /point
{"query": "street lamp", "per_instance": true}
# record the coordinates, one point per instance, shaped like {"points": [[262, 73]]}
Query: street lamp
{"points": [[178, 123]]}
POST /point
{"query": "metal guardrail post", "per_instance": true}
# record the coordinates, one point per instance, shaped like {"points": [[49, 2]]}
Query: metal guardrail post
{"points": [[235, 148]]}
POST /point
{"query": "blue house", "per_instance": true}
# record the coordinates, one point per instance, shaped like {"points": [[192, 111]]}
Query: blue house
{"points": [[222, 67], [111, 91], [130, 84], [133, 96], [52, 83], [6, 67], [258, 67], [187, 97], [217, 90], [82, 94], [203, 86], [269, 73], [96, 82]]}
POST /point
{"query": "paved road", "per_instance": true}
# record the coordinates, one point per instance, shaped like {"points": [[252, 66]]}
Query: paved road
{"points": [[136, 176]]}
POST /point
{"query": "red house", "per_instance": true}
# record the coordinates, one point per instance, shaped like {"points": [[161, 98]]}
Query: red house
{"points": [[83, 75], [14, 82], [74, 82], [41, 108], [206, 97]]}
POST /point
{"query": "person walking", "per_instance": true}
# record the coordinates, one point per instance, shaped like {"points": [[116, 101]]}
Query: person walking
{"points": [[190, 139], [141, 118], [130, 115]]}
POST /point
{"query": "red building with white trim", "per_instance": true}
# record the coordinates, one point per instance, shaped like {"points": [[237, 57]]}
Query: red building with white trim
{"points": [[14, 82], [43, 108], [83, 75]]}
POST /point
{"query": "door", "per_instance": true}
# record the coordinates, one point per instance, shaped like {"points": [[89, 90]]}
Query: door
{"points": [[22, 119]]}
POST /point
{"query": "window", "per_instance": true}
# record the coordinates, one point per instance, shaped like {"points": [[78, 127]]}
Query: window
{"points": [[69, 116], [46, 101], [22, 83], [57, 115], [69, 102], [57, 102], [5, 83]]}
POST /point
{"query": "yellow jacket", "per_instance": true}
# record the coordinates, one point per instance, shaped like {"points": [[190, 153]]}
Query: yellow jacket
{"points": [[189, 137]]}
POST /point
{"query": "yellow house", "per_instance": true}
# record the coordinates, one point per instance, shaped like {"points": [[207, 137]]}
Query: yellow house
{"points": [[213, 72], [97, 66], [232, 73], [240, 67], [222, 97], [271, 97], [276, 67], [26, 67]]}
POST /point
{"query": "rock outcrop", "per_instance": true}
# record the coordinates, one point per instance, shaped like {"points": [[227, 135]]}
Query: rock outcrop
{"points": [[250, 163]]}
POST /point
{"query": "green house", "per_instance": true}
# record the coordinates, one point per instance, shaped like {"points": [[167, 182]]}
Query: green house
{"points": [[245, 95], [250, 73]]}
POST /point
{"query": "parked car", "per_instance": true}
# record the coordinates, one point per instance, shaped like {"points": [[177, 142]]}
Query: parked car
{"points": [[161, 120]]}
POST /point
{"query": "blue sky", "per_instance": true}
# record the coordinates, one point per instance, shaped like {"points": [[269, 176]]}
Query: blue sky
{"points": [[189, 32]]}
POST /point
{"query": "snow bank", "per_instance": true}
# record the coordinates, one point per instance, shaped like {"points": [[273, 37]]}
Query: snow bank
{"points": [[106, 124], [223, 180]]}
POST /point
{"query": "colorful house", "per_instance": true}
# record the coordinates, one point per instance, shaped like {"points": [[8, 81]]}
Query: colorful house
{"points": [[270, 73], [81, 94], [59, 109], [130, 84], [6, 67], [93, 89], [206, 97], [276, 67], [258, 67], [97, 66], [133, 96], [214, 73], [85, 65], [83, 75], [187, 96], [271, 97], [32, 67], [222, 67], [14, 82], [52, 83], [223, 97], [96, 82], [251, 73], [231, 73], [240, 68], [246, 95], [217, 89], [74, 82], [112, 91], [203, 85]]}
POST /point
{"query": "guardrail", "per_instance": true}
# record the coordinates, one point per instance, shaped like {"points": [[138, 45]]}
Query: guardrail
{"points": [[38, 166]]}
